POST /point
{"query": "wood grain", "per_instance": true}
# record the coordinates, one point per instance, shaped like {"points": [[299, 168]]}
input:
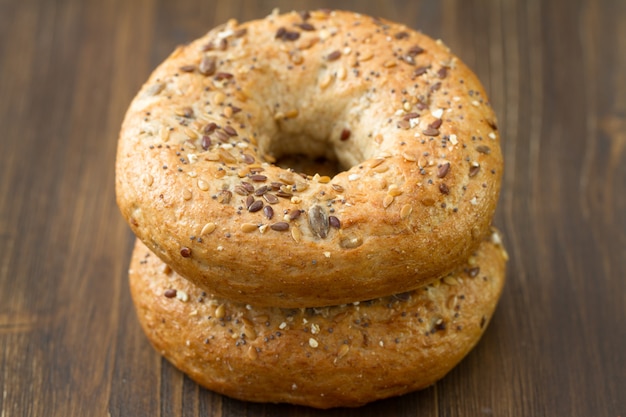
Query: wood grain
{"points": [[70, 344]]}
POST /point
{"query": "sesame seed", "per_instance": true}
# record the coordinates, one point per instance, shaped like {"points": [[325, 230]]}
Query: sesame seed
{"points": [[342, 73], [325, 81], [366, 56], [450, 280], [409, 156], [248, 227], [343, 351], [208, 229], [252, 353], [218, 98], [313, 343], [148, 180], [296, 234], [203, 185], [220, 311], [405, 211]]}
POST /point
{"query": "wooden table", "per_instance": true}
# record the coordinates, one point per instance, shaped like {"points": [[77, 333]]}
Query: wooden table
{"points": [[70, 344]]}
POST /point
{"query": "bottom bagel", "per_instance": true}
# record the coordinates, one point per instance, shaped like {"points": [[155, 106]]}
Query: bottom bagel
{"points": [[326, 357]]}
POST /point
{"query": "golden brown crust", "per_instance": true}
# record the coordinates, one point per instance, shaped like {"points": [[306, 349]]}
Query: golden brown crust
{"points": [[321, 357], [410, 123]]}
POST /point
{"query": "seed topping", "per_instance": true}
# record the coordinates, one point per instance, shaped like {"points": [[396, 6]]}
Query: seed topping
{"points": [[285, 35], [431, 131], [318, 221], [443, 170], [208, 65], [280, 226], [345, 134], [334, 55], [255, 206]]}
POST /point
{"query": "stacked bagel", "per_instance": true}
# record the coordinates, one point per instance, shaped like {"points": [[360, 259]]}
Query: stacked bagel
{"points": [[269, 284]]}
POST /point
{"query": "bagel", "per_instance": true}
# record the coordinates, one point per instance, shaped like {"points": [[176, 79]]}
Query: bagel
{"points": [[198, 174], [321, 357]]}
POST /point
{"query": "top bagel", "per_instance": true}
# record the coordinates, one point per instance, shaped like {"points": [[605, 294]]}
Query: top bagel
{"points": [[408, 123]]}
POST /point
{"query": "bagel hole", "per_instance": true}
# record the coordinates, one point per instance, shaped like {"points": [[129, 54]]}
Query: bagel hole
{"points": [[306, 164], [305, 155]]}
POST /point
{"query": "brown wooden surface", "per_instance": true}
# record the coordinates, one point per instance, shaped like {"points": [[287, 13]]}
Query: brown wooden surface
{"points": [[70, 344]]}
